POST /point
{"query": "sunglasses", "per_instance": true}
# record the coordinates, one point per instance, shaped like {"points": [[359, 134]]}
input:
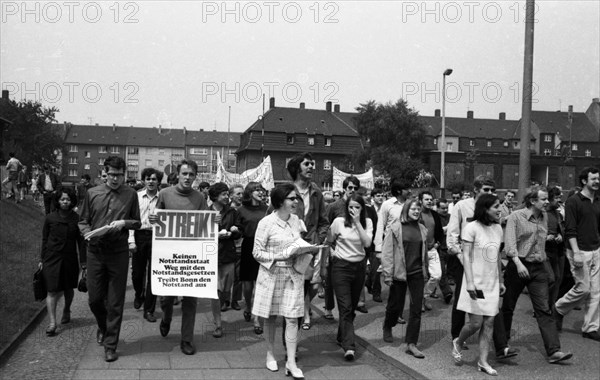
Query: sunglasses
{"points": [[351, 187], [488, 190]]}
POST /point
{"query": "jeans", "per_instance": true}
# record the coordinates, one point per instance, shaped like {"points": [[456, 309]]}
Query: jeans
{"points": [[557, 263], [443, 283], [348, 279], [587, 289], [414, 283], [373, 280], [188, 315], [107, 282], [141, 270], [537, 284], [329, 296]]}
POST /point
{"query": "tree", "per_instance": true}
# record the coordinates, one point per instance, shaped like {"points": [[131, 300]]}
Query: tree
{"points": [[394, 136], [31, 136]]}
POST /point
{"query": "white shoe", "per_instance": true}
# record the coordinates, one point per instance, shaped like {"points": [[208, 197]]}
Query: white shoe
{"points": [[296, 374], [272, 366]]}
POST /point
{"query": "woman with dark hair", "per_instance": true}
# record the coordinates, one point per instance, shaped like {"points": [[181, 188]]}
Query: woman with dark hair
{"points": [[60, 239], [481, 240], [404, 264], [349, 235], [251, 212], [279, 287]]}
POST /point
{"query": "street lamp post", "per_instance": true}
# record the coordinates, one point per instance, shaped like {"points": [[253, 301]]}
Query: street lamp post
{"points": [[443, 144]]}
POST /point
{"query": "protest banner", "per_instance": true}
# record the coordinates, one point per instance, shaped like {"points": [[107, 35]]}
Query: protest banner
{"points": [[185, 254], [263, 174], [366, 179]]}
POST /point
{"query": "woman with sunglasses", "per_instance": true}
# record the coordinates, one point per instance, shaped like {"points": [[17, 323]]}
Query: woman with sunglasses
{"points": [[349, 235], [279, 287]]}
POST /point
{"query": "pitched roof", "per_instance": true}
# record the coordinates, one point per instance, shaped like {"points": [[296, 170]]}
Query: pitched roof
{"points": [[96, 134], [311, 121], [214, 138], [558, 122], [155, 137], [474, 128]]}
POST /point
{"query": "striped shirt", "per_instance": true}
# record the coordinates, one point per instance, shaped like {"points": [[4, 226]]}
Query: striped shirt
{"points": [[525, 235], [147, 207]]}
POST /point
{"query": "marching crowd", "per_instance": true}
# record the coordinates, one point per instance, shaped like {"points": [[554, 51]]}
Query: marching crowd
{"points": [[489, 250]]}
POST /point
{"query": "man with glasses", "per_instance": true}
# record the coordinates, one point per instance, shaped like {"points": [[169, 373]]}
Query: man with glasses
{"points": [[114, 205], [140, 244]]}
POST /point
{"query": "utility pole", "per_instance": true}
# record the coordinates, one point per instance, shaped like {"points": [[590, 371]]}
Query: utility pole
{"points": [[228, 133], [525, 154]]}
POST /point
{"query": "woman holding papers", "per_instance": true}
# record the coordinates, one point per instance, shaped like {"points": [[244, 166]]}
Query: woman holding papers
{"points": [[349, 236], [279, 287]]}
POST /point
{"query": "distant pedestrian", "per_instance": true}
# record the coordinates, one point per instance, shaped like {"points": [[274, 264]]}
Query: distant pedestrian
{"points": [[82, 188], [13, 166], [60, 241], [48, 184], [23, 183], [236, 192]]}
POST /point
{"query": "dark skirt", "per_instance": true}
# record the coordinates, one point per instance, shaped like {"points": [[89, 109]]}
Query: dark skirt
{"points": [[61, 271], [248, 265]]}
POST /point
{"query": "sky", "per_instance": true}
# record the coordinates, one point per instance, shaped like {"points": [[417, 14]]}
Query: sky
{"points": [[204, 64]]}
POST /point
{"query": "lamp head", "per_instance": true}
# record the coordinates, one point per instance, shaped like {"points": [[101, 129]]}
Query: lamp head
{"points": [[447, 72]]}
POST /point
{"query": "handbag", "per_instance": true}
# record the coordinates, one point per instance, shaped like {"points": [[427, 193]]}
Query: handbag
{"points": [[39, 286], [82, 286]]}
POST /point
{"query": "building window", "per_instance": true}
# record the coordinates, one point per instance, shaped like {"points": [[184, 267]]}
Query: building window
{"points": [[588, 153], [506, 144], [86, 166], [148, 163], [102, 149], [199, 151], [471, 142], [327, 141], [161, 152], [232, 152], [326, 164], [434, 141], [114, 149], [574, 147], [133, 163], [101, 161], [489, 143], [133, 150], [548, 138], [161, 163], [73, 160], [289, 139], [72, 148], [214, 157], [311, 141], [72, 172], [516, 144], [547, 152], [202, 163], [87, 155], [448, 146]]}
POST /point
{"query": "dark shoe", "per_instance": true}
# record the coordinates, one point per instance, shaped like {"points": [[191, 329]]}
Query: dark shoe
{"points": [[387, 335], [247, 316], [401, 321], [414, 351], [362, 309], [448, 298], [377, 298], [235, 305], [434, 296], [218, 332], [187, 348], [100, 336], [164, 327], [258, 330], [559, 356], [110, 355], [51, 330], [507, 352], [558, 318], [426, 306], [328, 315], [591, 335], [223, 307], [66, 317], [349, 355], [150, 317], [138, 302]]}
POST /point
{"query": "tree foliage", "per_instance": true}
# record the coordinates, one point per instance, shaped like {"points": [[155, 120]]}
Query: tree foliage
{"points": [[394, 136], [31, 136]]}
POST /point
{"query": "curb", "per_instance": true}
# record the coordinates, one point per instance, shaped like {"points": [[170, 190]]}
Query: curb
{"points": [[19, 337]]}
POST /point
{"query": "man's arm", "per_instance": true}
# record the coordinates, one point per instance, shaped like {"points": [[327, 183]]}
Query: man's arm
{"points": [[85, 224], [323, 223], [510, 241], [380, 227], [571, 230], [453, 231]]}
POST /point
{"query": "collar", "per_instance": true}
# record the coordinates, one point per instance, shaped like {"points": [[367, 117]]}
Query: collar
{"points": [[282, 223], [148, 195], [529, 214], [108, 189], [583, 197]]}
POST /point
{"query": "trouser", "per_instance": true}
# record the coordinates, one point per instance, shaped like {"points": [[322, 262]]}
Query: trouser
{"points": [[537, 283], [236, 292], [586, 289], [188, 315], [141, 263], [329, 301], [443, 283], [414, 283], [48, 202], [373, 278], [107, 282], [557, 263], [348, 279], [434, 269], [12, 182]]}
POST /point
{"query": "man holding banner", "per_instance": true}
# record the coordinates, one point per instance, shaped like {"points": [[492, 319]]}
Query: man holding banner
{"points": [[179, 197]]}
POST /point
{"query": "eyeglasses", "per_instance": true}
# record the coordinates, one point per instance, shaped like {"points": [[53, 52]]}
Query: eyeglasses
{"points": [[488, 190], [351, 187], [115, 175], [104, 176], [292, 198]]}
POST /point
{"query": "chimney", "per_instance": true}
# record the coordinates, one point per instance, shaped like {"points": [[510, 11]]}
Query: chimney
{"points": [[328, 106], [271, 103], [438, 113], [114, 127], [5, 94], [302, 106], [184, 131], [159, 129], [336, 108], [595, 100], [502, 116], [201, 129], [469, 114]]}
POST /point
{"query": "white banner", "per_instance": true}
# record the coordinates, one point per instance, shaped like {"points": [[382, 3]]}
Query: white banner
{"points": [[366, 179], [185, 254], [263, 174]]}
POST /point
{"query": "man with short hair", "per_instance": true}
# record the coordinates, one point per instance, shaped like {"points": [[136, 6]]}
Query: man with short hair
{"points": [[378, 196], [236, 193], [82, 188], [22, 183], [389, 212], [140, 244], [114, 205], [525, 246], [582, 231], [180, 197], [13, 166], [506, 207], [456, 196], [431, 220], [442, 210], [373, 279], [48, 184]]}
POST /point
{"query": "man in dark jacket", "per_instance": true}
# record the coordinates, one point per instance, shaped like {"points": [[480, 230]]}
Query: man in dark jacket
{"points": [[48, 184], [435, 235]]}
